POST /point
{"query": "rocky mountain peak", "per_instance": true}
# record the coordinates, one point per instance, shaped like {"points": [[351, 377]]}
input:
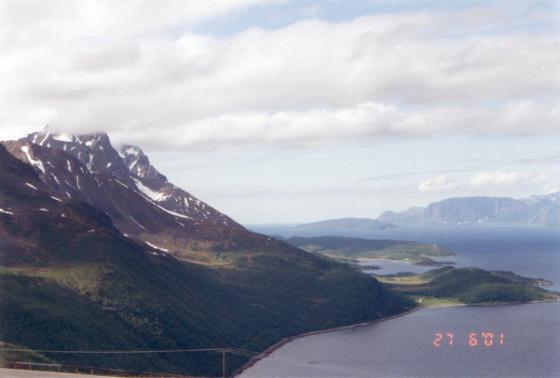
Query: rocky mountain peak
{"points": [[93, 150], [139, 165], [139, 200]]}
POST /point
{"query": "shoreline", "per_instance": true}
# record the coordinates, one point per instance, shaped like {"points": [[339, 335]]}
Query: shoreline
{"points": [[492, 304], [268, 351]]}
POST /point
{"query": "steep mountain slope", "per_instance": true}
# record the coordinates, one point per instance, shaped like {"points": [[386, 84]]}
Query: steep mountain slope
{"points": [[139, 200], [71, 280], [537, 210]]}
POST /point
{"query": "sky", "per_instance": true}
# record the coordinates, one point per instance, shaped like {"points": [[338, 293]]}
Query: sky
{"points": [[285, 111]]}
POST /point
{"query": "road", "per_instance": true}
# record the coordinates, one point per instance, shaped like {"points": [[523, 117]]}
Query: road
{"points": [[16, 373]]}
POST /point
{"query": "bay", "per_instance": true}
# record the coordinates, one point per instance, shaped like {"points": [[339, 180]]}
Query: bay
{"points": [[404, 347]]}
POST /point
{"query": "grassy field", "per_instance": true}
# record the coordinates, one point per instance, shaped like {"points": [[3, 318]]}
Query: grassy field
{"points": [[436, 302]]}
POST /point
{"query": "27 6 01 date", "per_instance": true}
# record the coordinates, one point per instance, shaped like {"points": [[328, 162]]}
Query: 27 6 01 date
{"points": [[474, 339]]}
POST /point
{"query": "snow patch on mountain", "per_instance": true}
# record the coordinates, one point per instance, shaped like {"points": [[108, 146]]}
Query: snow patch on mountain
{"points": [[45, 138], [152, 194], [36, 163], [64, 138], [156, 247], [171, 212], [136, 222], [130, 150]]}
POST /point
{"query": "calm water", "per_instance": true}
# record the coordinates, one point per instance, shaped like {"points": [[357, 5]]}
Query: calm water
{"points": [[403, 347], [529, 251], [392, 267]]}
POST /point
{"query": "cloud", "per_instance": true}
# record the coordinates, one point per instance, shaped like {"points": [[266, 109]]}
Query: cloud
{"points": [[552, 187], [39, 22], [496, 178], [522, 181], [437, 184], [368, 121], [138, 70]]}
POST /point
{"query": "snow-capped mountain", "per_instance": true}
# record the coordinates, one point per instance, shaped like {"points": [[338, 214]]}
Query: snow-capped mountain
{"points": [[140, 200], [552, 198], [155, 186]]}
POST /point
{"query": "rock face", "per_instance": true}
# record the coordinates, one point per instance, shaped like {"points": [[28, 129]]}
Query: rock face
{"points": [[535, 210], [140, 200], [475, 210]]}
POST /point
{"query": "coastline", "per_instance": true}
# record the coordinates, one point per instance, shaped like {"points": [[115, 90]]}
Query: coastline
{"points": [[492, 304], [435, 264], [268, 351]]}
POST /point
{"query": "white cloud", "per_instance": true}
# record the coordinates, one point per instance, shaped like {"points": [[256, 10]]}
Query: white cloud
{"points": [[497, 182], [367, 121], [552, 187], [501, 178], [125, 68], [496, 178], [437, 184], [39, 22]]}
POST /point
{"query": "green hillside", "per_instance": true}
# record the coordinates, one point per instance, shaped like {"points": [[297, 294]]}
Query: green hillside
{"points": [[70, 280], [469, 286]]}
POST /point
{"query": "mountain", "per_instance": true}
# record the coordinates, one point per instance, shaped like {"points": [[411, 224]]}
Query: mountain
{"points": [[76, 275], [141, 202], [535, 210], [340, 227], [407, 217], [545, 209]]}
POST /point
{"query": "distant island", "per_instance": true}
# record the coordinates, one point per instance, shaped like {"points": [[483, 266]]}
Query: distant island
{"points": [[534, 211], [353, 249], [340, 226], [541, 210], [452, 286]]}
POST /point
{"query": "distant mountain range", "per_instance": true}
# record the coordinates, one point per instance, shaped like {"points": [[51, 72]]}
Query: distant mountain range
{"points": [[99, 251], [343, 226], [541, 210], [537, 210]]}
